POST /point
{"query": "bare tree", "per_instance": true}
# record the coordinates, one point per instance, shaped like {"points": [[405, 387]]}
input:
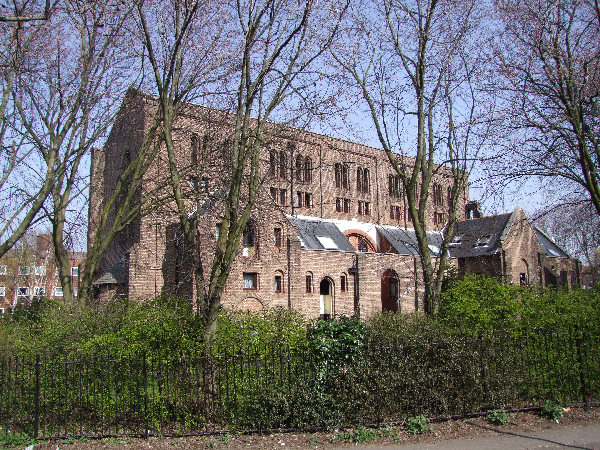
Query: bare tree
{"points": [[269, 46], [549, 65], [416, 64]]}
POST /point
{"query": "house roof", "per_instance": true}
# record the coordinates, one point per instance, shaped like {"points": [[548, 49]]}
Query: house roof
{"points": [[550, 247], [479, 237], [319, 234], [115, 275], [404, 240]]}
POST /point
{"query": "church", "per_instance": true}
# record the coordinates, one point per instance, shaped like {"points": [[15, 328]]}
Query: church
{"points": [[329, 232]]}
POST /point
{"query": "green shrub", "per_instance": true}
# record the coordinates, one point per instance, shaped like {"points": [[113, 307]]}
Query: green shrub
{"points": [[552, 411], [498, 417], [418, 425]]}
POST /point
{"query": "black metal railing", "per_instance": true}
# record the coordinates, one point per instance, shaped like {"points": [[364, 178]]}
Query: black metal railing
{"points": [[267, 388]]}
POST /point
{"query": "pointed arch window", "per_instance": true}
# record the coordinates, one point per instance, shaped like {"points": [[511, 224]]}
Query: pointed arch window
{"points": [[308, 170], [299, 168], [282, 165]]}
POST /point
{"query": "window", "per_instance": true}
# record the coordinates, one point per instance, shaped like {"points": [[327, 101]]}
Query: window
{"points": [[74, 271], [394, 212], [338, 175], [2, 291], [438, 218], [299, 168], [23, 291], [563, 277], [362, 180], [346, 205], [364, 208], [272, 164], [438, 196], [282, 166], [339, 204], [40, 270], [58, 291], [345, 177], [308, 170], [75, 292], [39, 291], [249, 235], [218, 230], [394, 186], [483, 240], [327, 243], [309, 288], [308, 200], [282, 197], [343, 283], [573, 278], [363, 244], [24, 270], [449, 195], [277, 237], [193, 182], [204, 186], [299, 199], [366, 181], [274, 193], [342, 179], [250, 280], [359, 179], [2, 270], [278, 284]]}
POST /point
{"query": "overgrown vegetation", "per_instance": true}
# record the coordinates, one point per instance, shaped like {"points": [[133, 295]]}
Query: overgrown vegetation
{"points": [[491, 346]]}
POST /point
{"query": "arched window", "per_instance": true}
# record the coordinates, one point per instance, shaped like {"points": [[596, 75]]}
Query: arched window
{"points": [[359, 179], [308, 170], [282, 165], [345, 177], [250, 234], [366, 181], [299, 168], [309, 283], [194, 143], [278, 282]]}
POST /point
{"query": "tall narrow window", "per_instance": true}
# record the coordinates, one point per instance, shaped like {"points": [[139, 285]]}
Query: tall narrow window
{"points": [[346, 205], [282, 166], [299, 168], [308, 170], [339, 205], [366, 181], [274, 193], [299, 198], [345, 177], [359, 179], [282, 197], [278, 284], [309, 287], [249, 235], [343, 283], [272, 164], [308, 200], [277, 237], [338, 175]]}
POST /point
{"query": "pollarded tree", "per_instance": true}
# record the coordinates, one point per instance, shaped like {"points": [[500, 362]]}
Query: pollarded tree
{"points": [[548, 60], [416, 65]]}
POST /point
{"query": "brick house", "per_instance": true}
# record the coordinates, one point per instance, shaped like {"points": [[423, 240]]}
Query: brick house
{"points": [[28, 271], [329, 232]]}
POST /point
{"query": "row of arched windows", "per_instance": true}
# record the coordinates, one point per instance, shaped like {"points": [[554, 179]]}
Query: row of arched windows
{"points": [[303, 169], [278, 165]]}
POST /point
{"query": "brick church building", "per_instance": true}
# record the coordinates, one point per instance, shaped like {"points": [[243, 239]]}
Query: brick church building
{"points": [[329, 232]]}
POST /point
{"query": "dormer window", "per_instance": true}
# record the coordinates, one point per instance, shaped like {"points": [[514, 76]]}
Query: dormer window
{"points": [[456, 240]]}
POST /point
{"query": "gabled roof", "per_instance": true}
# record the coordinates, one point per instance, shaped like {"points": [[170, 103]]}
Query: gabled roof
{"points": [[318, 234], [115, 275], [478, 237], [550, 247], [404, 240]]}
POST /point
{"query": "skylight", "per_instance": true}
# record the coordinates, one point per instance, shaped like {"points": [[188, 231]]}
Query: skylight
{"points": [[327, 243], [483, 240], [456, 240]]}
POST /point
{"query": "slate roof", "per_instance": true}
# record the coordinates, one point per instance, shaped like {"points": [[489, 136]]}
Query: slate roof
{"points": [[550, 247], [316, 234], [404, 240], [115, 275], [478, 237]]}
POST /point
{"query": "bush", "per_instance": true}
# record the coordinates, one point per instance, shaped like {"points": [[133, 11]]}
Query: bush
{"points": [[498, 417]]}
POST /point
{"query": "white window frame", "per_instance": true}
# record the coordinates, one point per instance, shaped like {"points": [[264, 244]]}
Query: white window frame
{"points": [[2, 291], [39, 291], [250, 281], [40, 270], [24, 270], [3, 270], [25, 294], [74, 271], [58, 291]]}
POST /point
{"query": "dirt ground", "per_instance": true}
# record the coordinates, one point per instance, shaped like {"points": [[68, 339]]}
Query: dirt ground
{"points": [[466, 428]]}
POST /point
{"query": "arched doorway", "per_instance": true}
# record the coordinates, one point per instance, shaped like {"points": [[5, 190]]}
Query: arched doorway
{"points": [[524, 273], [326, 295], [389, 291]]}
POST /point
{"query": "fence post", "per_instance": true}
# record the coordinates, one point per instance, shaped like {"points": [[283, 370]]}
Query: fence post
{"points": [[146, 431], [36, 421]]}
